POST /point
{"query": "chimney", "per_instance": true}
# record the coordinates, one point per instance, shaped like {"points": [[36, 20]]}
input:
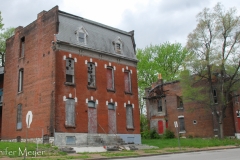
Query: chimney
{"points": [[160, 81], [18, 29], [159, 76], [41, 13]]}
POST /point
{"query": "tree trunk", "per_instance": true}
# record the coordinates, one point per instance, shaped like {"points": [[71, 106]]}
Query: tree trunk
{"points": [[221, 126], [221, 136]]}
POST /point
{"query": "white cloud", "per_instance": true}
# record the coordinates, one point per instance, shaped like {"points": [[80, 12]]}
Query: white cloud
{"points": [[154, 21]]}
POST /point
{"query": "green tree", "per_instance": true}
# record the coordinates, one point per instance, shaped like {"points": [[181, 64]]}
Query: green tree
{"points": [[165, 58], [1, 24], [3, 37], [212, 69]]}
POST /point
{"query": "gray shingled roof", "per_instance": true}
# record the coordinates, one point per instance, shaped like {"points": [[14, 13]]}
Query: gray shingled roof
{"points": [[100, 37]]}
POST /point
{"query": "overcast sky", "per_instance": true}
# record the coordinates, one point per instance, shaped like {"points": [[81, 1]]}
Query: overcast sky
{"points": [[154, 21]]}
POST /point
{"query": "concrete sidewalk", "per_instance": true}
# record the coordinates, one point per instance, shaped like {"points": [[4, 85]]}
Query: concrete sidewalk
{"points": [[89, 149], [106, 148]]}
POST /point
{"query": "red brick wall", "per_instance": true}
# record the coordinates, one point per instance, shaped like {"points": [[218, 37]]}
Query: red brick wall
{"points": [[236, 110], [44, 88], [38, 83], [193, 111], [101, 94]]}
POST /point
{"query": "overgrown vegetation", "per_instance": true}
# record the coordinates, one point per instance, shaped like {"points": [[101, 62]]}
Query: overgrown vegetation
{"points": [[152, 134], [165, 58], [165, 146], [168, 134], [5, 33], [191, 143], [212, 70]]}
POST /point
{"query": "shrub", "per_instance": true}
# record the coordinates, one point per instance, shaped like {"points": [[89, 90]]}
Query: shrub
{"points": [[154, 134], [168, 134], [150, 134], [145, 134], [190, 136]]}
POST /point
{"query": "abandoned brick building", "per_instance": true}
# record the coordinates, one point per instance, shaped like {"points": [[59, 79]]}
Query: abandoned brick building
{"points": [[78, 77], [165, 106], [1, 95]]}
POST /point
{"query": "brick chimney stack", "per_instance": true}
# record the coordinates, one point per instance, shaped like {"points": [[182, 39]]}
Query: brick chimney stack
{"points": [[160, 81]]}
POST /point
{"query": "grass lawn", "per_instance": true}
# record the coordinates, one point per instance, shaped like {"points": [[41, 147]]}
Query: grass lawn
{"points": [[16, 149], [190, 142]]}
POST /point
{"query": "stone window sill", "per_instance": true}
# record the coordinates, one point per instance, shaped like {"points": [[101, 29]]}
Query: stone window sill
{"points": [[69, 84], [130, 93], [111, 90], [91, 88], [182, 131]]}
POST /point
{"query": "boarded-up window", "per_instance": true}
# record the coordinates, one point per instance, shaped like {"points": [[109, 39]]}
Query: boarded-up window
{"points": [[91, 75], [127, 81], [181, 124], [19, 116], [160, 105], [70, 140], [111, 106], [129, 114], [214, 92], [70, 113], [110, 78], [69, 70], [22, 47], [91, 104], [20, 80]]}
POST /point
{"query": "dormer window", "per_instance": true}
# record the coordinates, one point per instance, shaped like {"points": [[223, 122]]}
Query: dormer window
{"points": [[118, 44], [81, 35]]}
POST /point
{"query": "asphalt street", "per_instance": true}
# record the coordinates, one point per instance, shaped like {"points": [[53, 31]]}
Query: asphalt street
{"points": [[226, 154]]}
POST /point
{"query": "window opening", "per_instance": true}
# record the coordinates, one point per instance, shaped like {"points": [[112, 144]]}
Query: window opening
{"points": [[20, 80], [19, 116], [91, 104], [81, 37], [111, 106], [180, 103], [69, 70], [22, 47], [181, 124], [118, 46], [160, 105], [91, 75], [215, 96]]}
